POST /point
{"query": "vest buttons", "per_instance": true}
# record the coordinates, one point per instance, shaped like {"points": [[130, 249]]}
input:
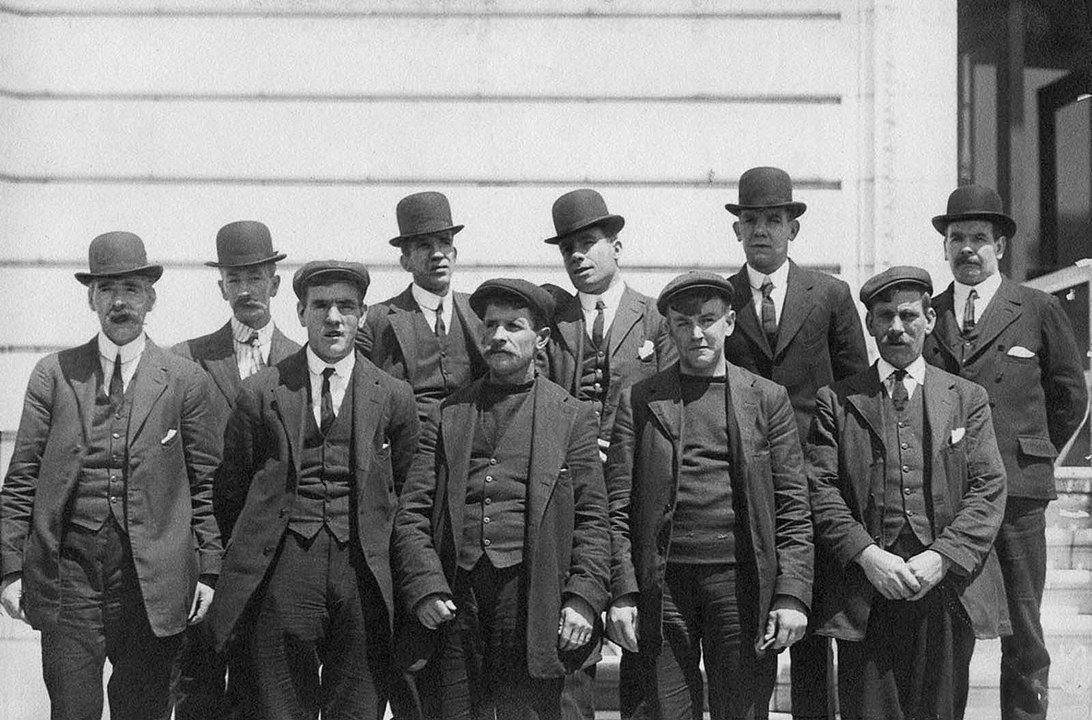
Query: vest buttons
{"points": [[489, 478], [114, 500], [906, 468], [117, 435], [907, 491], [909, 513], [492, 461], [488, 501], [485, 519], [487, 542], [905, 446]]}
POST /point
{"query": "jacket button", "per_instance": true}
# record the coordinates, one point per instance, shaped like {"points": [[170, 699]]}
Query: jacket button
{"points": [[267, 550]]}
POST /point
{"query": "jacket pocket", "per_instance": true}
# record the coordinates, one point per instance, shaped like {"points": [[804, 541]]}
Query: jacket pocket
{"points": [[1039, 447]]}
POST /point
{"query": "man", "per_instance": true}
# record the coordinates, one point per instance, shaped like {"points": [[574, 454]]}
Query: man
{"points": [[908, 490], [108, 544], [605, 338], [800, 329], [707, 493], [321, 443], [248, 342], [1018, 344], [501, 540], [427, 334]]}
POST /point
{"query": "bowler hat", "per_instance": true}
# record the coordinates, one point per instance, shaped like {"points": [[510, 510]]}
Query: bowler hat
{"points": [[243, 243], [318, 272], [581, 209], [539, 300], [423, 213], [894, 276], [118, 254], [691, 280], [766, 187], [975, 202]]}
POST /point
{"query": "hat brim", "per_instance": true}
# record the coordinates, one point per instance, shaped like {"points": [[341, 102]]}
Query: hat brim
{"points": [[1008, 225], [249, 263], [153, 272], [796, 209], [611, 224], [397, 241]]}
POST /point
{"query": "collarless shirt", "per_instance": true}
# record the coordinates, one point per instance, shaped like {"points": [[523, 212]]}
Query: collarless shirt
{"points": [[428, 302], [240, 340], [339, 381], [130, 358], [610, 297], [780, 280], [915, 375], [985, 289]]}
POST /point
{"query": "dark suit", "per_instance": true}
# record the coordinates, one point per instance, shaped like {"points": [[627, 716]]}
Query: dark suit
{"points": [[1024, 353], [847, 452], [775, 538], [172, 537]]}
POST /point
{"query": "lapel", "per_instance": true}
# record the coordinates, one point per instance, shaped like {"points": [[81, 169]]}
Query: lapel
{"points": [[280, 347], [939, 415], [866, 394], [1002, 311], [218, 359], [570, 329], [798, 305], [84, 373], [946, 331], [367, 412], [745, 401], [665, 405], [401, 316], [547, 451], [746, 317], [627, 315], [471, 327], [290, 401], [148, 384], [458, 421]]}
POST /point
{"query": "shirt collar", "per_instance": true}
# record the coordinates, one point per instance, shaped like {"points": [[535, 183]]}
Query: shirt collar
{"points": [[985, 289], [241, 332], [610, 297], [915, 370], [425, 299], [779, 277], [342, 368], [129, 352]]}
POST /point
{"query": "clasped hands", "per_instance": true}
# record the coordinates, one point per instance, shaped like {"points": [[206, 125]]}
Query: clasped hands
{"points": [[574, 626], [898, 579]]}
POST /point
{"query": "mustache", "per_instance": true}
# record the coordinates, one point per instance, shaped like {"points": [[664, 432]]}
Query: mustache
{"points": [[121, 315], [245, 301]]}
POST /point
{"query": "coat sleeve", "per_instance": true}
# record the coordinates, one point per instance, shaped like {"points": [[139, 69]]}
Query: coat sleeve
{"points": [[848, 354], [203, 448], [666, 353], [1062, 375], [619, 478], [792, 506], [365, 336], [404, 432], [589, 569]]}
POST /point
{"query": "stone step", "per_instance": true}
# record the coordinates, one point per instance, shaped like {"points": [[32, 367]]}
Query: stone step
{"points": [[1067, 592]]}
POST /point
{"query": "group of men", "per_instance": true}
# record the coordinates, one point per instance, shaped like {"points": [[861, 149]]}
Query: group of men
{"points": [[444, 501]]}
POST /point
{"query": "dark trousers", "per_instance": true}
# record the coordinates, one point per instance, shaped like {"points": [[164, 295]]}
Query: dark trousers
{"points": [[319, 610], [483, 658], [808, 675], [199, 678], [102, 616], [1025, 662], [708, 615]]}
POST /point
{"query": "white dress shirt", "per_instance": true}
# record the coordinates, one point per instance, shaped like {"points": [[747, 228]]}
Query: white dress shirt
{"points": [[130, 358], [985, 289], [915, 375], [428, 302], [244, 357], [610, 297], [339, 381], [780, 280]]}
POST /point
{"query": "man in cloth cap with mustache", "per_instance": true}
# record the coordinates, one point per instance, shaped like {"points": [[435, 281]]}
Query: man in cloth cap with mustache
{"points": [[108, 543], [1018, 343], [248, 342]]}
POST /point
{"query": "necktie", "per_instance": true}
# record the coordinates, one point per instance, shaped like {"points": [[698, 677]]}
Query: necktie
{"points": [[441, 328], [117, 387], [968, 312], [254, 353], [899, 396], [327, 410], [769, 313], [597, 324]]}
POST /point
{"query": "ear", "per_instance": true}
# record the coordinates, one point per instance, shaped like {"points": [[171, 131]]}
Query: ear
{"points": [[729, 322], [930, 320], [868, 321], [223, 292], [543, 337], [616, 245], [794, 227], [275, 286], [999, 246], [151, 296], [735, 229], [403, 260], [300, 307]]}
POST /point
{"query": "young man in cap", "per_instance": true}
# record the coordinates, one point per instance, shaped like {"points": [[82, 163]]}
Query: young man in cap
{"points": [[1017, 343], [108, 543], [248, 342], [908, 489], [708, 496], [321, 443], [800, 329], [427, 334], [604, 339], [501, 542]]}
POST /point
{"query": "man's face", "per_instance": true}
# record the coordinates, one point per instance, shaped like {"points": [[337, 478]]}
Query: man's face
{"points": [[591, 259], [766, 234], [900, 326], [331, 313], [431, 260], [972, 251], [121, 304], [699, 337], [510, 341], [248, 290]]}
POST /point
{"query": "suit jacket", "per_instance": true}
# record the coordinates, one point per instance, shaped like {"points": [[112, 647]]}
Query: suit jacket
{"points": [[1026, 357], [819, 337], [639, 347], [767, 477], [256, 484], [846, 451], [567, 547], [174, 448], [215, 353]]}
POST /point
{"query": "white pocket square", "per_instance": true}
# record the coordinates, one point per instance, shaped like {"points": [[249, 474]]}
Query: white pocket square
{"points": [[645, 351], [1020, 351], [168, 437], [958, 434]]}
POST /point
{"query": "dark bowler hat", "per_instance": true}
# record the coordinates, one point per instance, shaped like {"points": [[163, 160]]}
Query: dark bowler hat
{"points": [[243, 243], [319, 272], [691, 280], [892, 276], [766, 187], [581, 209], [423, 213], [539, 300], [118, 254], [975, 202]]}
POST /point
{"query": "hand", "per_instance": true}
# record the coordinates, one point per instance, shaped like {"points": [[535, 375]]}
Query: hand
{"points": [[435, 610], [574, 627], [929, 567], [888, 573], [786, 623], [11, 596], [622, 622], [202, 598]]}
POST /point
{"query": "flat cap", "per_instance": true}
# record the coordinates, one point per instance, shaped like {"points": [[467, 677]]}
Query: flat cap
{"points": [[540, 301], [892, 276], [330, 271], [691, 280]]}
